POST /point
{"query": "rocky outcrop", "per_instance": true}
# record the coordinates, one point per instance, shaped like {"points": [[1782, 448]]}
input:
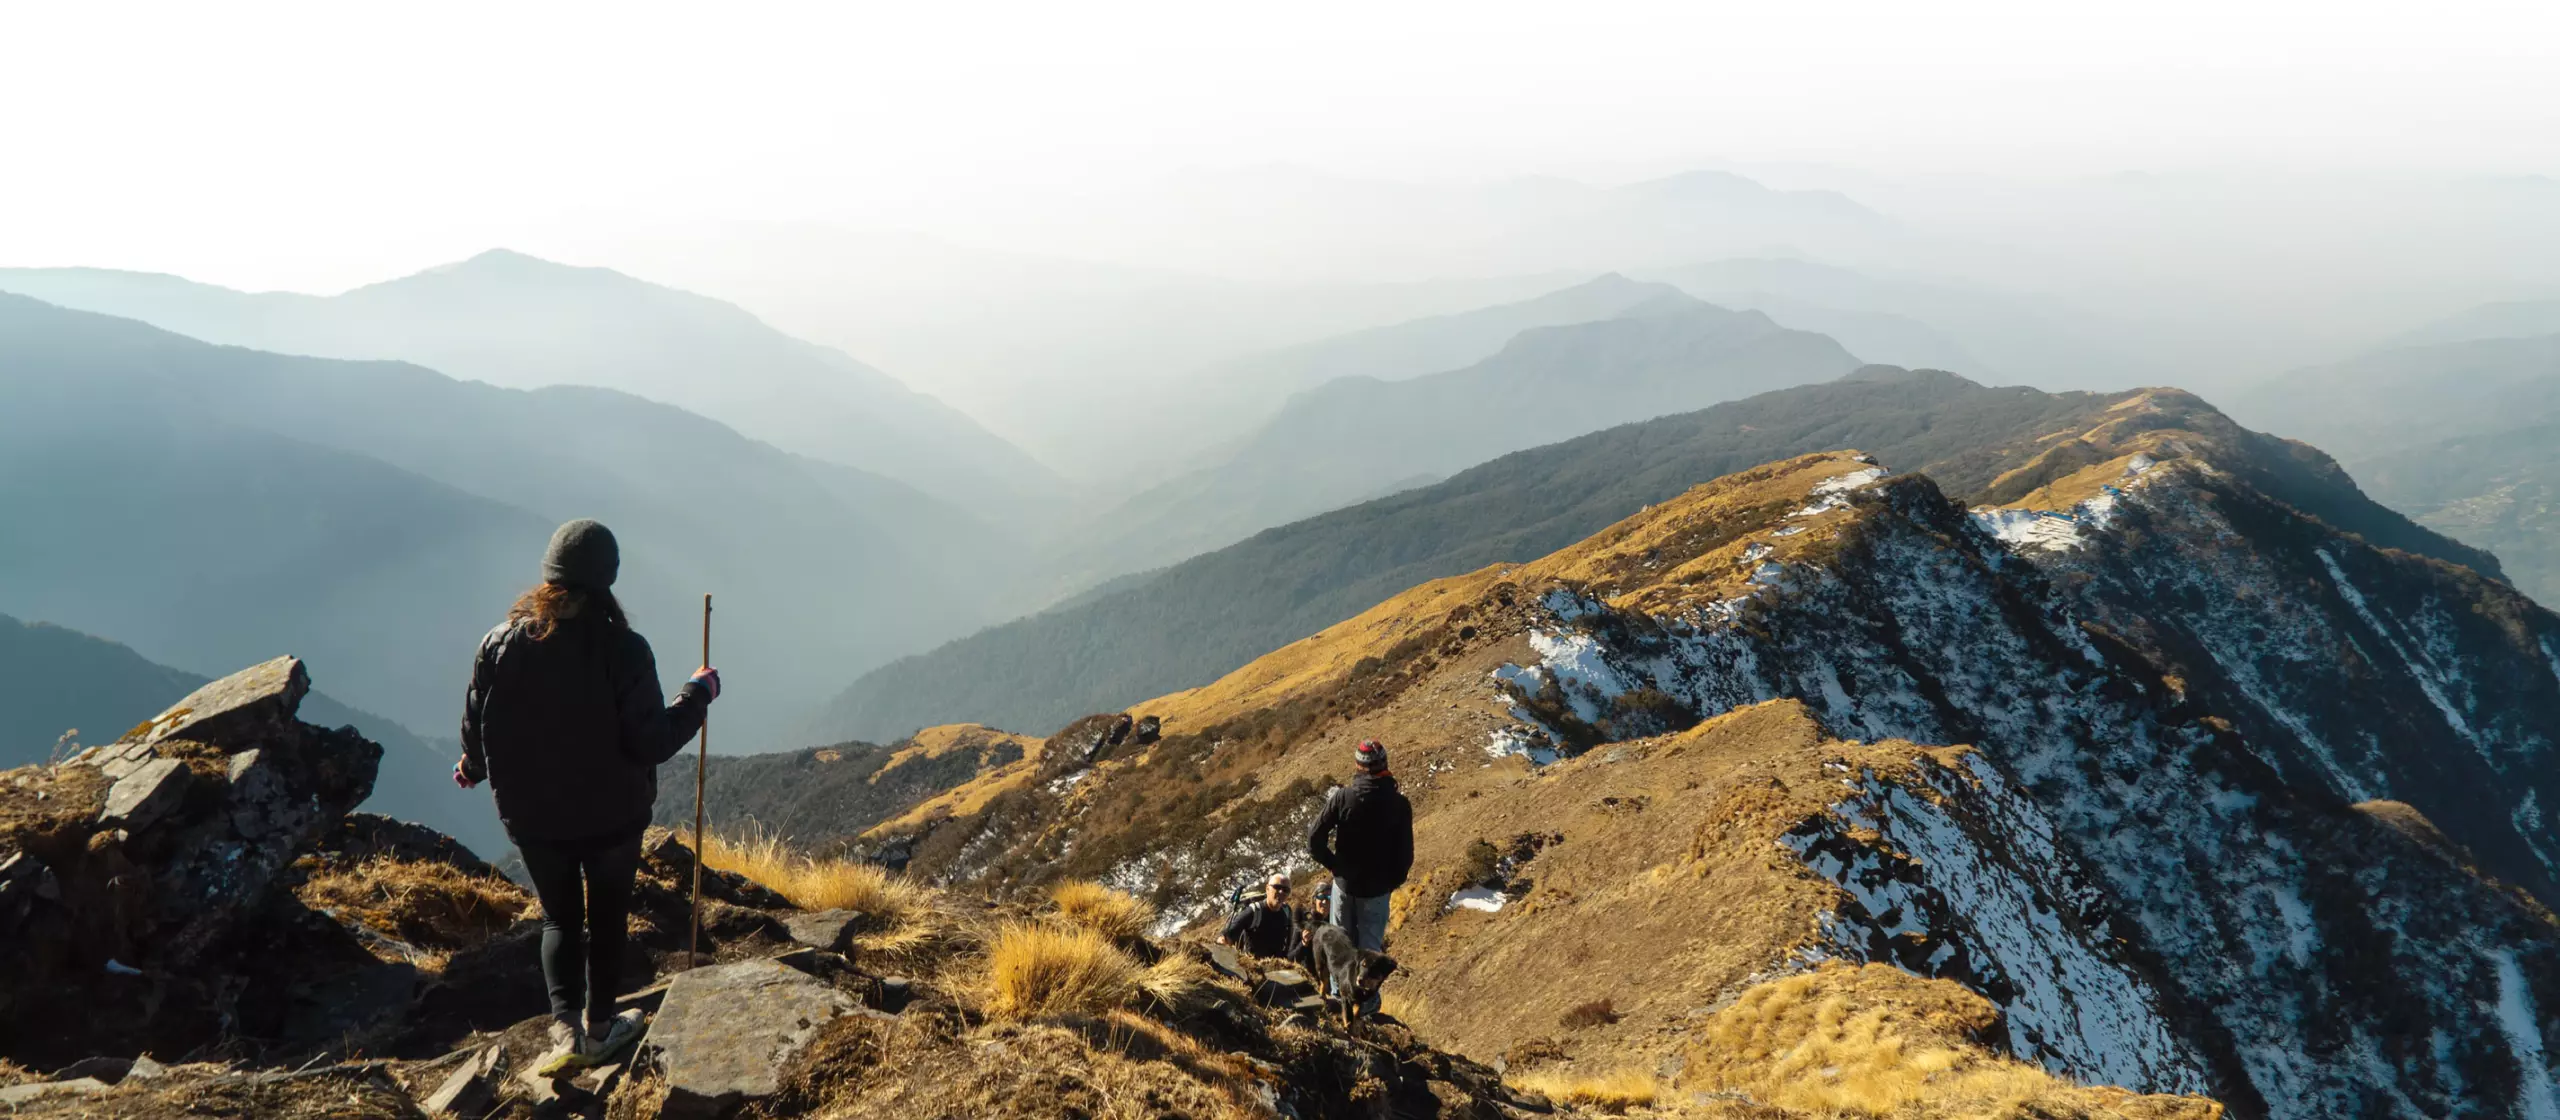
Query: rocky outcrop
{"points": [[124, 869]]}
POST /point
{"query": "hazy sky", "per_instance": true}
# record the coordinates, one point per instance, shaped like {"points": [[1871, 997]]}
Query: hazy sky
{"points": [[314, 146]]}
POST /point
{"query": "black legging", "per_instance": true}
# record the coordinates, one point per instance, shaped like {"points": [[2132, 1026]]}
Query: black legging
{"points": [[585, 888]]}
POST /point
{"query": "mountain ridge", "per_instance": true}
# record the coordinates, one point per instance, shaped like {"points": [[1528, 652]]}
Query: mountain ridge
{"points": [[2149, 851], [1195, 620], [1352, 438], [437, 495], [522, 322]]}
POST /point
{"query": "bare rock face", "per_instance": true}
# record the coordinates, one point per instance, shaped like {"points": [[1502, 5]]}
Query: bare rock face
{"points": [[182, 829], [256, 703], [141, 798], [726, 1034], [826, 930]]}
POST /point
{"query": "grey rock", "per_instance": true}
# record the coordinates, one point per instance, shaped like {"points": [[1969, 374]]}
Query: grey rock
{"points": [[148, 793], [1227, 961], [119, 759], [828, 930], [725, 1034], [38, 1090], [471, 1089], [144, 1069], [108, 1069], [255, 703], [261, 800]]}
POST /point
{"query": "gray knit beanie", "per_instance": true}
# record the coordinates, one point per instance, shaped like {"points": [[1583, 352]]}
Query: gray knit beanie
{"points": [[582, 554]]}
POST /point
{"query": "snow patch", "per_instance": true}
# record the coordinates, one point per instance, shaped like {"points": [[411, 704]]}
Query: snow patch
{"points": [[2523, 1029], [1507, 742], [1844, 483], [1485, 899], [2423, 674]]}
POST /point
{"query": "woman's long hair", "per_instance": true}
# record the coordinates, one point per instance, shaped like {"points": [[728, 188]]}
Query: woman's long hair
{"points": [[549, 604]]}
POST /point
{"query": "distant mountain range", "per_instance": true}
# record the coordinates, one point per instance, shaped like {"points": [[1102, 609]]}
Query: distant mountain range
{"points": [[1932, 323], [2462, 435], [518, 322], [215, 506], [1188, 624], [55, 681], [1224, 402], [1358, 437], [2508, 319]]}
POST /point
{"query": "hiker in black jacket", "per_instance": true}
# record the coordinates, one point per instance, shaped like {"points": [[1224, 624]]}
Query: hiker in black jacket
{"points": [[564, 720], [1365, 837], [1267, 928]]}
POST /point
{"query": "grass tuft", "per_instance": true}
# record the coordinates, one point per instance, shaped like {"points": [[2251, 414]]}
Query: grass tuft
{"points": [[430, 905], [1613, 1092], [1037, 969], [1104, 911], [818, 884]]}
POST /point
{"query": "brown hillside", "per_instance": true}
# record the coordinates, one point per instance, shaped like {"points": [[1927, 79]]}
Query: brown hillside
{"points": [[2142, 855]]}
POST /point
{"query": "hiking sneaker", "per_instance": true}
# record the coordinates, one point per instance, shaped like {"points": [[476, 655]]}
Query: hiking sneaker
{"points": [[618, 1034], [566, 1041]]}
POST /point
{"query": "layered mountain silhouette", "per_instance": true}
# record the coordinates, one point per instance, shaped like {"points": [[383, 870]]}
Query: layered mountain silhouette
{"points": [[1355, 438], [2505, 319], [1224, 402], [213, 505], [2136, 745], [519, 322], [60, 689], [1188, 624], [1930, 322], [2458, 434]]}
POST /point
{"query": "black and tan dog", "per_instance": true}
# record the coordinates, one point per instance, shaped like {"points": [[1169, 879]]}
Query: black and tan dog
{"points": [[1350, 973]]}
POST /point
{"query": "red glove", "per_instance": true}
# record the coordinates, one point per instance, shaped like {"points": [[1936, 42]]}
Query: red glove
{"points": [[709, 679]]}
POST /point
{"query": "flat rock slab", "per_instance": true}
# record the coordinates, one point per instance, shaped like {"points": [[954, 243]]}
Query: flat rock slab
{"points": [[239, 710], [146, 794], [828, 930], [471, 1090], [33, 1091], [1227, 961], [726, 1033]]}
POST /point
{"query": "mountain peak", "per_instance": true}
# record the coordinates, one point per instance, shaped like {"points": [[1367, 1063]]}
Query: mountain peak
{"points": [[509, 265]]}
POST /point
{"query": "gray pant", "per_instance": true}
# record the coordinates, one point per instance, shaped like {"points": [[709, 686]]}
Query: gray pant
{"points": [[1365, 919]]}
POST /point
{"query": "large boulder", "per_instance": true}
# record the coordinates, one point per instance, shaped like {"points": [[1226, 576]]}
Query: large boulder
{"points": [[256, 703], [131, 865], [725, 1034]]}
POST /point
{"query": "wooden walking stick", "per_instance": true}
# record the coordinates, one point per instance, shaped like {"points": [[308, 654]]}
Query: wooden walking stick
{"points": [[701, 767]]}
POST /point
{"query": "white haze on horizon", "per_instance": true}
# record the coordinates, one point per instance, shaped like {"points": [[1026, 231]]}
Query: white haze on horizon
{"points": [[2240, 187]]}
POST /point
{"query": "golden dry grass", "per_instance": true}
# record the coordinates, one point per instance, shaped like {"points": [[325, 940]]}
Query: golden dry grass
{"points": [[1102, 910], [818, 884], [1874, 1041], [1178, 983], [433, 906], [1036, 969], [1612, 1092]]}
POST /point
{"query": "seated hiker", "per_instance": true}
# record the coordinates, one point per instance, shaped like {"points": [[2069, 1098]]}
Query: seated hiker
{"points": [[1267, 928]]}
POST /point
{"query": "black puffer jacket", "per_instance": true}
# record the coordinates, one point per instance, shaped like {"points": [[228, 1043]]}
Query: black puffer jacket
{"points": [[1365, 836], [569, 730]]}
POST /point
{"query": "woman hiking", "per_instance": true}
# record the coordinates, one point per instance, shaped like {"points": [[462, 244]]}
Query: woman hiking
{"points": [[564, 720]]}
